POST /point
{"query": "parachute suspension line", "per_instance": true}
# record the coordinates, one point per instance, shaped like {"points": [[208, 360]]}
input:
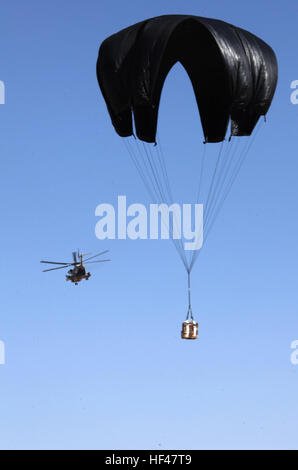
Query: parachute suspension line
{"points": [[163, 198], [176, 223], [226, 171], [147, 171], [152, 168], [227, 161], [152, 190], [222, 165], [169, 200], [158, 185], [233, 176], [153, 181], [195, 253], [214, 173], [199, 190], [201, 175], [232, 164], [168, 192], [163, 166], [137, 166], [162, 163], [161, 179]]}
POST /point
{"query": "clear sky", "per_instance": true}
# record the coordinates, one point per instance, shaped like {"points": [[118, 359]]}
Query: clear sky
{"points": [[101, 365]]}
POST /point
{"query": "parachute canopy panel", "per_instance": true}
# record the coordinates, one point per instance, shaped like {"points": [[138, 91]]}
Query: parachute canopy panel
{"points": [[233, 73]]}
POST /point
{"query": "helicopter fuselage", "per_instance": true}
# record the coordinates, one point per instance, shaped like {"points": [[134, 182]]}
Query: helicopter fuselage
{"points": [[77, 274]]}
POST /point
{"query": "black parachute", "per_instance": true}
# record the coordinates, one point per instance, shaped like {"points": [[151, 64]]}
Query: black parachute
{"points": [[233, 73], [234, 76]]}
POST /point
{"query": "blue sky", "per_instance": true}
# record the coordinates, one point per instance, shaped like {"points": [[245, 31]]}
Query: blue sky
{"points": [[102, 365]]}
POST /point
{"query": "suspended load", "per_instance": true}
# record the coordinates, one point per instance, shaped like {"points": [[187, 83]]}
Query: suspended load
{"points": [[190, 329], [233, 75]]}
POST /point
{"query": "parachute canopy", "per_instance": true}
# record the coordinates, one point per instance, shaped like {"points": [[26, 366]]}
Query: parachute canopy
{"points": [[233, 73]]}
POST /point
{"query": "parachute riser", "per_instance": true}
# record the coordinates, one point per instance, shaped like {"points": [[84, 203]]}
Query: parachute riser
{"points": [[189, 327], [189, 310]]}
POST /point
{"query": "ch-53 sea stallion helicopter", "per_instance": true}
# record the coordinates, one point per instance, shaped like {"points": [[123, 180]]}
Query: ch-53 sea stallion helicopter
{"points": [[78, 272]]}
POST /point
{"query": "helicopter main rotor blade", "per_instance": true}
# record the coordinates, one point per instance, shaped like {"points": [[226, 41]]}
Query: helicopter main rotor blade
{"points": [[98, 261], [98, 254], [53, 262], [60, 267]]}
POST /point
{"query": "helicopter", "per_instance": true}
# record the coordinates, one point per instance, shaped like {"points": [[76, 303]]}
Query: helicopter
{"points": [[78, 272]]}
